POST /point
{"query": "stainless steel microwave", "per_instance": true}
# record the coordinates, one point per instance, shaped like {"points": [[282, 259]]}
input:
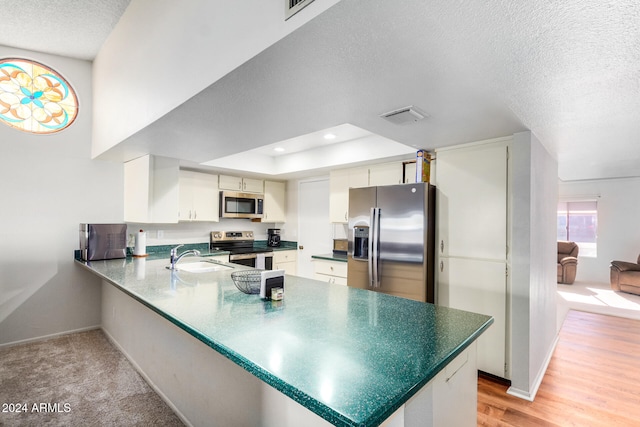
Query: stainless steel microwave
{"points": [[241, 205]]}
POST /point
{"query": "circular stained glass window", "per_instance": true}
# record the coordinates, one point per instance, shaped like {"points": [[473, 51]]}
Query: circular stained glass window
{"points": [[34, 98]]}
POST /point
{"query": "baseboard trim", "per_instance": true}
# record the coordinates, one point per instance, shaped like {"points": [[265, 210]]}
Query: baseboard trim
{"points": [[530, 395], [153, 386], [46, 337], [494, 378]]}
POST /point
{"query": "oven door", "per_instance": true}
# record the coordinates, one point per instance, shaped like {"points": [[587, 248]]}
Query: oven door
{"points": [[251, 260]]}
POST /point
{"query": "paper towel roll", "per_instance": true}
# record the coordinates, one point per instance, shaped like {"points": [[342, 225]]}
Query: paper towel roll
{"points": [[140, 248]]}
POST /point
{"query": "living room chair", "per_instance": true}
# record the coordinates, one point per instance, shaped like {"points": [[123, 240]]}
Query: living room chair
{"points": [[625, 276], [567, 262]]}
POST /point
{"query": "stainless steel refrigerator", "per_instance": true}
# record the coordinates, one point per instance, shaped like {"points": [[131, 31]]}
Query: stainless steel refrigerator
{"points": [[392, 240]]}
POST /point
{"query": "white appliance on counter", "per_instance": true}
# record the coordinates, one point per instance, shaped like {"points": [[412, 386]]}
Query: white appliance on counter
{"points": [[391, 240]]}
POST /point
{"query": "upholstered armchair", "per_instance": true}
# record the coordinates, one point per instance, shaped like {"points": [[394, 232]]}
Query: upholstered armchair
{"points": [[625, 276], [567, 262]]}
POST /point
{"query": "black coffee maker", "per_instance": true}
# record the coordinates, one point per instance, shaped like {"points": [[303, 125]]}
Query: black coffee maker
{"points": [[273, 239]]}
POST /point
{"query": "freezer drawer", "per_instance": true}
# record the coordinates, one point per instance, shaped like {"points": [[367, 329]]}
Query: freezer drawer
{"points": [[399, 279]]}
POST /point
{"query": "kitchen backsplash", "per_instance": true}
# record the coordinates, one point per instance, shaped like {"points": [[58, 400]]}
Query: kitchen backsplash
{"points": [[197, 232]]}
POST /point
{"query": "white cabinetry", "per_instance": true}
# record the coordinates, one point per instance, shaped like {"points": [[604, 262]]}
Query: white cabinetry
{"points": [[340, 180], [199, 196], [274, 200], [449, 399], [339, 195], [330, 271], [235, 183], [409, 172], [472, 204], [285, 260], [151, 190], [386, 174]]}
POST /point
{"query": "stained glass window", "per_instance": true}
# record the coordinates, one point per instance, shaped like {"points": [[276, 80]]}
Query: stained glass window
{"points": [[34, 98]]}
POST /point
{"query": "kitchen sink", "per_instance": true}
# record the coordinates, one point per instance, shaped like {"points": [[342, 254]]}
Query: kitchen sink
{"points": [[201, 267]]}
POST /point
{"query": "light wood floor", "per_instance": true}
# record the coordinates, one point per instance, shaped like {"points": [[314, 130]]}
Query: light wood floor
{"points": [[593, 379]]}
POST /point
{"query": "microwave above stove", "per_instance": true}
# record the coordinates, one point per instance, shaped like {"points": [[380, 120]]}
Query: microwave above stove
{"points": [[241, 205]]}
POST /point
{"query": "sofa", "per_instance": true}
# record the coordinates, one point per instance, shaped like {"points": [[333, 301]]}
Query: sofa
{"points": [[625, 276], [567, 262]]}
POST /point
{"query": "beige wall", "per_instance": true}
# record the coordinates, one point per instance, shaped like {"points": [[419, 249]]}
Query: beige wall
{"points": [[49, 186]]}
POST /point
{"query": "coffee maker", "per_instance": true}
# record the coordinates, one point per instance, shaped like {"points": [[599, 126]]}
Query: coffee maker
{"points": [[273, 239]]}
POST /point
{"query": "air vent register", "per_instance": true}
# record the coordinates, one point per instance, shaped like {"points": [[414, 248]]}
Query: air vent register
{"points": [[291, 7]]}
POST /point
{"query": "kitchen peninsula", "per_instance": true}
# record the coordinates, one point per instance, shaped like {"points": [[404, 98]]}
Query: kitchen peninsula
{"points": [[326, 354]]}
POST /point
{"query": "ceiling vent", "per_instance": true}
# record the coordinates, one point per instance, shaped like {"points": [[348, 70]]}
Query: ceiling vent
{"points": [[291, 7], [404, 115]]}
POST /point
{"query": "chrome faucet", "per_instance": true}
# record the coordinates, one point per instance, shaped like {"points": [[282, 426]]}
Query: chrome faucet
{"points": [[174, 257]]}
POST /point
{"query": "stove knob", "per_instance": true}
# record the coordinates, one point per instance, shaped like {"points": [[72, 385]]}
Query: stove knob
{"points": [[250, 234]]}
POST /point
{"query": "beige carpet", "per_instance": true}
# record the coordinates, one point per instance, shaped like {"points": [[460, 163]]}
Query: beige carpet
{"points": [[598, 298], [76, 380]]}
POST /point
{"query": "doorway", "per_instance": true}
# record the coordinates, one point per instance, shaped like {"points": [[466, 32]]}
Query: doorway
{"points": [[314, 229]]}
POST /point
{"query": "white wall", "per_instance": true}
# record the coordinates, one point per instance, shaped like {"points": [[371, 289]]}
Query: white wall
{"points": [[49, 186], [533, 262], [164, 43], [618, 231]]}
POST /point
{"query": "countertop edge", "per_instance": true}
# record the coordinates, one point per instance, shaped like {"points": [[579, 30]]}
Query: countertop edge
{"points": [[411, 392], [330, 257], [312, 404], [325, 412]]}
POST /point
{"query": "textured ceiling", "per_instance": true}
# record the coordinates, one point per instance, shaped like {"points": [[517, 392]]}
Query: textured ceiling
{"points": [[568, 70], [73, 28]]}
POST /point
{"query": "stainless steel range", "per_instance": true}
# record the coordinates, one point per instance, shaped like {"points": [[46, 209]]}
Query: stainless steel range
{"points": [[240, 246]]}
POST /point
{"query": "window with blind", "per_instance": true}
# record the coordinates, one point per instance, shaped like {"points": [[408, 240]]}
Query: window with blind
{"points": [[578, 222], [291, 7]]}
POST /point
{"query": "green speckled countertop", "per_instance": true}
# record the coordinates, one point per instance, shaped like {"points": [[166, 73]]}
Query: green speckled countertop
{"points": [[349, 355], [331, 257]]}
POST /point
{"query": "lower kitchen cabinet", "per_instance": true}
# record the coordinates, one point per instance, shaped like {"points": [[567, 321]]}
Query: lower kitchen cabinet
{"points": [[330, 271], [286, 260]]}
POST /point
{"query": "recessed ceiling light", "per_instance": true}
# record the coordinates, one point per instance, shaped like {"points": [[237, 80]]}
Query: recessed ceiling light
{"points": [[329, 136], [278, 149]]}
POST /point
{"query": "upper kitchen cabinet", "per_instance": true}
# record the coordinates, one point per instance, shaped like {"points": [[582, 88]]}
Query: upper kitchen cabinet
{"points": [[341, 180], [274, 202], [199, 196], [151, 190], [235, 183], [409, 169], [386, 174]]}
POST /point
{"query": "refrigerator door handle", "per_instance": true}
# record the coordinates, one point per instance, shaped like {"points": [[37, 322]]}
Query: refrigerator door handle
{"points": [[370, 247], [374, 241]]}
